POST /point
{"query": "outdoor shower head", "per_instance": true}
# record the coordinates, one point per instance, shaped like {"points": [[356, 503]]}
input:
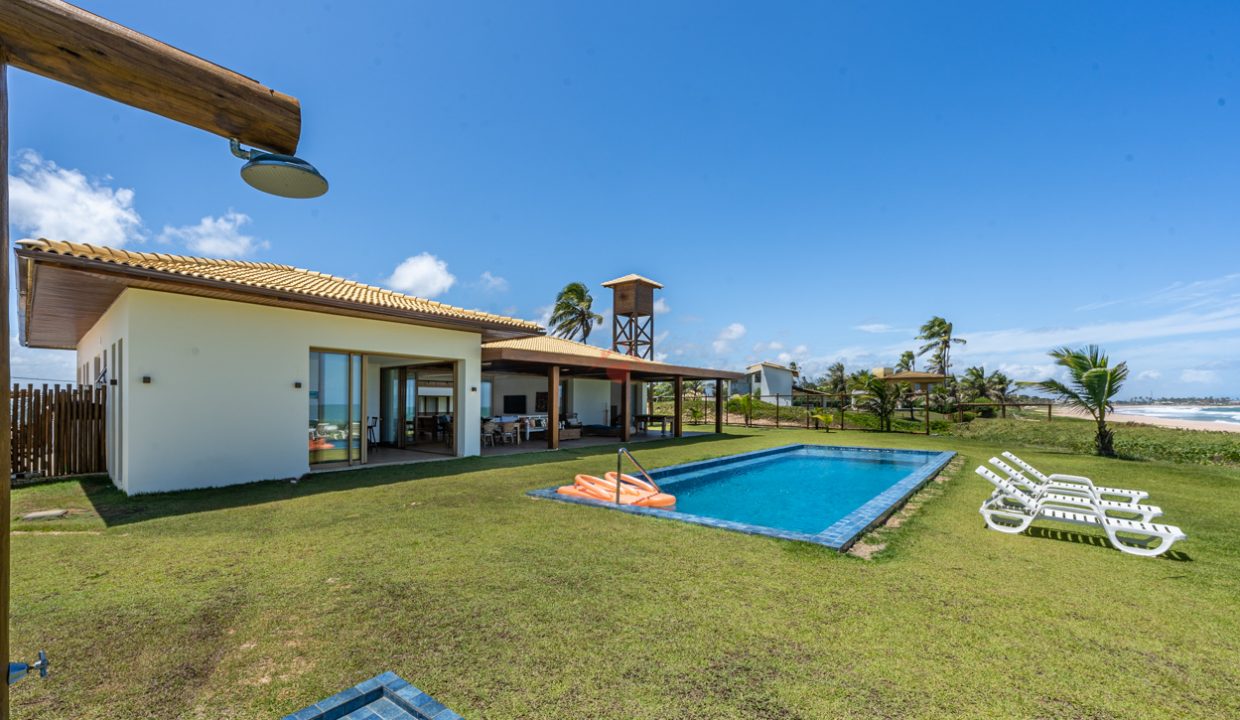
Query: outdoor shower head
{"points": [[283, 175]]}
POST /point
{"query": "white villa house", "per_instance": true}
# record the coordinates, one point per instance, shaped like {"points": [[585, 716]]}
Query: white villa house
{"points": [[220, 372], [767, 378]]}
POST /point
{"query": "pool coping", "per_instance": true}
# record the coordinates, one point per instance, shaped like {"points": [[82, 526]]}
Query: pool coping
{"points": [[403, 699], [839, 536]]}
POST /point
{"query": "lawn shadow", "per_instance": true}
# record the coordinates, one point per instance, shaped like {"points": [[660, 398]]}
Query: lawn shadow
{"points": [[1045, 533], [115, 508]]}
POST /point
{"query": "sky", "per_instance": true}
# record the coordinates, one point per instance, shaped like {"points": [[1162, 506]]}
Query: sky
{"points": [[810, 181]]}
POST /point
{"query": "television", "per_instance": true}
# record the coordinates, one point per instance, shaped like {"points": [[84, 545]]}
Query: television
{"points": [[514, 405]]}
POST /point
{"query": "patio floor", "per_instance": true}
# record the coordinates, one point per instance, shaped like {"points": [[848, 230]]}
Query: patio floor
{"points": [[538, 444], [379, 456]]}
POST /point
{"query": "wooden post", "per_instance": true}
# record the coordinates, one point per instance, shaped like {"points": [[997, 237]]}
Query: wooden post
{"points": [[553, 407], [678, 429], [718, 407], [927, 401], [6, 465], [1003, 410], [626, 409], [1049, 406], [777, 411]]}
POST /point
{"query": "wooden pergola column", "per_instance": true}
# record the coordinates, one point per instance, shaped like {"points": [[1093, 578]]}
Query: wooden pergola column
{"points": [[678, 428], [626, 409], [553, 407], [718, 407]]}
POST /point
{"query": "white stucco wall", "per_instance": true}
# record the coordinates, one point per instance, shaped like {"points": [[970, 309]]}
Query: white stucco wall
{"points": [[591, 400], [222, 407], [515, 384], [111, 331], [776, 381]]}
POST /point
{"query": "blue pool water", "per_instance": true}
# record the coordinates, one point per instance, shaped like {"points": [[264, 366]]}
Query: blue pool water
{"points": [[803, 490], [814, 493]]}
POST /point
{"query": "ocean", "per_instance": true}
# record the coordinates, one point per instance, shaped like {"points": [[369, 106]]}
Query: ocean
{"points": [[1227, 414]]}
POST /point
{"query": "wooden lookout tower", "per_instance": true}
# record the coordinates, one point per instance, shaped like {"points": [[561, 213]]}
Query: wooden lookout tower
{"points": [[632, 325]]}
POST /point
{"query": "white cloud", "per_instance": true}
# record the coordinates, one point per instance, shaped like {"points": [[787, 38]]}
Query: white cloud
{"points": [[1030, 371], [1198, 376], [543, 313], [875, 328], [216, 236], [63, 204], [492, 283], [800, 350], [1149, 375], [723, 342], [423, 275], [29, 365], [1180, 323], [660, 307]]}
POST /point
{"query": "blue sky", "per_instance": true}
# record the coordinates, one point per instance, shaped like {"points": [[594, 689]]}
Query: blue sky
{"points": [[810, 181]]}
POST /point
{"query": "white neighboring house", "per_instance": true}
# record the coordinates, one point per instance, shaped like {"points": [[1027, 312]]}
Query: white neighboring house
{"points": [[221, 372], [767, 378]]}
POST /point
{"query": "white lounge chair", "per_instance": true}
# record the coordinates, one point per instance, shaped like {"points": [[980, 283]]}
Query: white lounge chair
{"points": [[1072, 497], [1012, 510], [1075, 484]]}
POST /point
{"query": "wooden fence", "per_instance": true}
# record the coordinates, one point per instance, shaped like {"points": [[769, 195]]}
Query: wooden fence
{"points": [[58, 430]]}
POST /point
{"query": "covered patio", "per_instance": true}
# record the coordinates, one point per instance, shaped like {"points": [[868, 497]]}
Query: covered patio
{"points": [[584, 395]]}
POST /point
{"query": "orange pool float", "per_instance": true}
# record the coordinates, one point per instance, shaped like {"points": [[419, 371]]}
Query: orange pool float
{"points": [[604, 489], [639, 483]]}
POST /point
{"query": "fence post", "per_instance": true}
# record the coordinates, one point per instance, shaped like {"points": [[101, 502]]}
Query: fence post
{"points": [[1048, 411], [777, 411]]}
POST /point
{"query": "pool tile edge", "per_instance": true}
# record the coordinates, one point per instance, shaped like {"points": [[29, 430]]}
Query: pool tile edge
{"points": [[839, 536]]}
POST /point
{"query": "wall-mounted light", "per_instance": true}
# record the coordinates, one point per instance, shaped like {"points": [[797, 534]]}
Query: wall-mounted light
{"points": [[297, 384]]}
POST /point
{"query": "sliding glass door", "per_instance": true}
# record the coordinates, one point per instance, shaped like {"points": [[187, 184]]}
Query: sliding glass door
{"points": [[336, 424]]}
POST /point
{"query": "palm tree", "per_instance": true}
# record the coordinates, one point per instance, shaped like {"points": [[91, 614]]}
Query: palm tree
{"points": [[937, 333], [880, 398], [946, 395], [974, 384], [908, 362], [1092, 382], [837, 379], [999, 387], [572, 315]]}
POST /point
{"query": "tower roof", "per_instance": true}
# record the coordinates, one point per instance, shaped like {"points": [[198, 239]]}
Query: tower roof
{"points": [[632, 278]]}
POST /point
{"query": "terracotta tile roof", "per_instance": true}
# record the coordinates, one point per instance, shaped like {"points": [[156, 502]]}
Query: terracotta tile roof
{"points": [[630, 278], [592, 356], [273, 276], [549, 344]]}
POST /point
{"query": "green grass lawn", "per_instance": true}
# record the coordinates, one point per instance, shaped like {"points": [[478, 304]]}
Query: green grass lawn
{"points": [[250, 602]]}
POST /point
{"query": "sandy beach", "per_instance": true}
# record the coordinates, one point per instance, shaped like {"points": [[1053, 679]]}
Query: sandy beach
{"points": [[1121, 417]]}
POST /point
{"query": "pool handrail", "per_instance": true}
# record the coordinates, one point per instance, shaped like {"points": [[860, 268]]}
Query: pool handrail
{"points": [[620, 473]]}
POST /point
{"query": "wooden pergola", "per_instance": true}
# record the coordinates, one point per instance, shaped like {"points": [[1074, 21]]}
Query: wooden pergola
{"points": [[67, 44], [922, 382], [525, 356]]}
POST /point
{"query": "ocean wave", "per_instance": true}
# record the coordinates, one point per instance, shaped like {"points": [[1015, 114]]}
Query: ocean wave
{"points": [[1228, 414]]}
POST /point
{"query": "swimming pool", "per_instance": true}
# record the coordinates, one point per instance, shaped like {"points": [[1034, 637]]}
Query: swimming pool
{"points": [[813, 493]]}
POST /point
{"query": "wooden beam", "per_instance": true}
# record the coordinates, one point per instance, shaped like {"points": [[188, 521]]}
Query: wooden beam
{"points": [[718, 407], [66, 43], [626, 410], [678, 429], [553, 407], [5, 417]]}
